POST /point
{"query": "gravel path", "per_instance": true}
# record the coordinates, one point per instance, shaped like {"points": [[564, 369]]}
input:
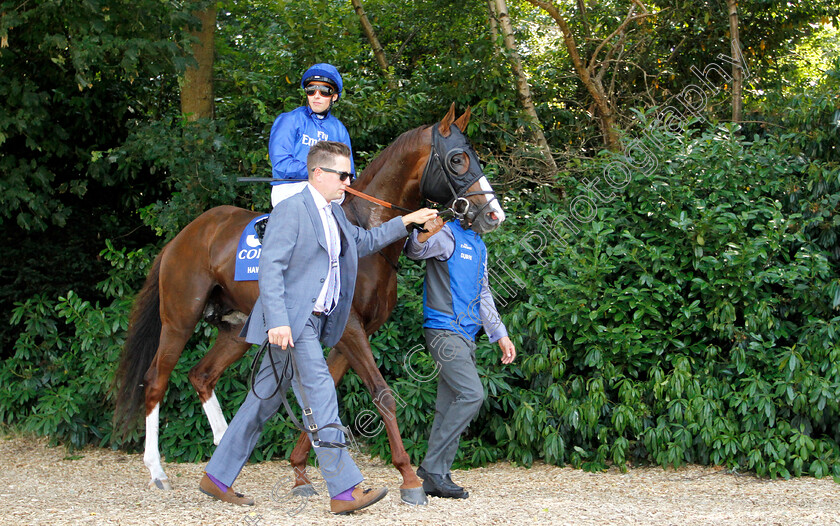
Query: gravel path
{"points": [[99, 486]]}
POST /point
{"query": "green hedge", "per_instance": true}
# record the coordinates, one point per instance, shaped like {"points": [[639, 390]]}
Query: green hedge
{"points": [[691, 320], [691, 317]]}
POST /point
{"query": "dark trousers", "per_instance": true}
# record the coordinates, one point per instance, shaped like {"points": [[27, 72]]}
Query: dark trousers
{"points": [[459, 396]]}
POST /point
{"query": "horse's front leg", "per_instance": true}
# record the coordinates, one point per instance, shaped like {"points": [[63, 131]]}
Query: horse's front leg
{"points": [[355, 348], [411, 491], [303, 486]]}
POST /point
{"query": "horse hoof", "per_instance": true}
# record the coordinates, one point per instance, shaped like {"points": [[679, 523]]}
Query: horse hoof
{"points": [[305, 490], [414, 496], [161, 484]]}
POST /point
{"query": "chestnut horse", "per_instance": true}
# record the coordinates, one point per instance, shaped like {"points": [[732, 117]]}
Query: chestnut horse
{"points": [[193, 276]]}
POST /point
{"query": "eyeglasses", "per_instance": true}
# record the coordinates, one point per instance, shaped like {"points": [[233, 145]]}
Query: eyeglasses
{"points": [[325, 91], [342, 176]]}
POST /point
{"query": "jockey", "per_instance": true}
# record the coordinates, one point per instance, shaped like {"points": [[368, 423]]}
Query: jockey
{"points": [[293, 133]]}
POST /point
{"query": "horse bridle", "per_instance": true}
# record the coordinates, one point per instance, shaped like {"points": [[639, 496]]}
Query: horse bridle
{"points": [[283, 380], [443, 169]]}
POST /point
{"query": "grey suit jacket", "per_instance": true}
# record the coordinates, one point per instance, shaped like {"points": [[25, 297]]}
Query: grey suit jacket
{"points": [[294, 264]]}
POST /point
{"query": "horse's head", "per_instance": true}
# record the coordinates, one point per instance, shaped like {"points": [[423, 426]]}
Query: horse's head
{"points": [[453, 177]]}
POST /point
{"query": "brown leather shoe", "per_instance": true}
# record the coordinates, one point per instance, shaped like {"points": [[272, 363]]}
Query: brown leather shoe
{"points": [[209, 487], [363, 499]]}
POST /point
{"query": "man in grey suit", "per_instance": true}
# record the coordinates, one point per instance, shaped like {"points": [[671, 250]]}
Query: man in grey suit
{"points": [[307, 278]]}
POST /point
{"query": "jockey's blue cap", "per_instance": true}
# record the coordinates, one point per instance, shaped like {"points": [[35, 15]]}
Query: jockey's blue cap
{"points": [[323, 73]]}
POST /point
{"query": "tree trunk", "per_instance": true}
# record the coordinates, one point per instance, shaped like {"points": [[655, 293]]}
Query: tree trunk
{"points": [[494, 24], [590, 82], [737, 72], [522, 87], [378, 52], [197, 88]]}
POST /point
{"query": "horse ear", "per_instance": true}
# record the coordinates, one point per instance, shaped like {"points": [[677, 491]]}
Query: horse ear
{"points": [[447, 121], [463, 120]]}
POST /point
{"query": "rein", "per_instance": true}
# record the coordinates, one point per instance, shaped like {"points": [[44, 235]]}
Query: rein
{"points": [[349, 190], [377, 201]]}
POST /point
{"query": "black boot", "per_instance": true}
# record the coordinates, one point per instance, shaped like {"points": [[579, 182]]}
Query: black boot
{"points": [[441, 485]]}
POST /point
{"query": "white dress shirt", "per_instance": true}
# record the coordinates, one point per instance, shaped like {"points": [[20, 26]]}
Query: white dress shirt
{"points": [[330, 225]]}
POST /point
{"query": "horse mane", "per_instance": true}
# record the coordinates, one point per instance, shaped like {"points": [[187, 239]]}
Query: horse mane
{"points": [[401, 145]]}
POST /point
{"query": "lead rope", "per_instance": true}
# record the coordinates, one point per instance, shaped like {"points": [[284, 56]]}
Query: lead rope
{"points": [[287, 376]]}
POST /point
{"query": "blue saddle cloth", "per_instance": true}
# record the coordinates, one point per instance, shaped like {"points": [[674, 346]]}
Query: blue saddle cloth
{"points": [[248, 253]]}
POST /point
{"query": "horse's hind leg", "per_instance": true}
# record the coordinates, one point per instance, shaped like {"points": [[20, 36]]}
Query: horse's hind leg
{"points": [[171, 345], [183, 295], [227, 349], [355, 347]]}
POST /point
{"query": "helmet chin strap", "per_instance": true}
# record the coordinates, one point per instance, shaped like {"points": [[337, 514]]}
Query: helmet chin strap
{"points": [[322, 114]]}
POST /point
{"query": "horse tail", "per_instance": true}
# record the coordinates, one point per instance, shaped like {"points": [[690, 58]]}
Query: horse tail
{"points": [[140, 348]]}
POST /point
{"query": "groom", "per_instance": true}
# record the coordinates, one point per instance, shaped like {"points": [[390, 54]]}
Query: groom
{"points": [[307, 277]]}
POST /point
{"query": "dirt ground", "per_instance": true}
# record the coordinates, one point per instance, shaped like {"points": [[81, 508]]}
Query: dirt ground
{"points": [[45, 485]]}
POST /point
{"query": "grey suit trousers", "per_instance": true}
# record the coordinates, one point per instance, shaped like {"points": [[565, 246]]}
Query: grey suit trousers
{"points": [[312, 375], [459, 396]]}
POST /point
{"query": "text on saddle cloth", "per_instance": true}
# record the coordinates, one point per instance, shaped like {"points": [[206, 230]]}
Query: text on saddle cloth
{"points": [[248, 250]]}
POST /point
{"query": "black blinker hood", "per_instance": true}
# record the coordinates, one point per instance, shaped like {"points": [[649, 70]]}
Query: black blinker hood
{"points": [[441, 183]]}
